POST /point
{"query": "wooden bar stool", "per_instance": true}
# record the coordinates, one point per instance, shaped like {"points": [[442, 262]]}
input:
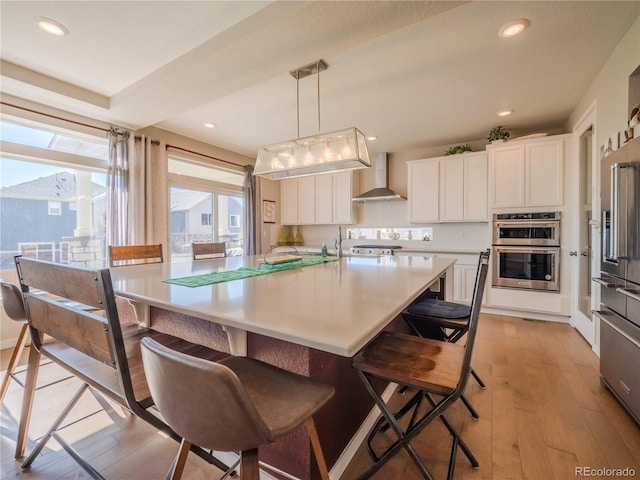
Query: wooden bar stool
{"points": [[434, 369], [202, 251], [441, 320], [134, 254], [236, 404]]}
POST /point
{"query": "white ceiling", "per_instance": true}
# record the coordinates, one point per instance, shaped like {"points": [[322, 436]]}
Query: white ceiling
{"points": [[416, 74]]}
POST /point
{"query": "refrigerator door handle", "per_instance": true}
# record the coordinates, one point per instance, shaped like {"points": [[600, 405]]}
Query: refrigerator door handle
{"points": [[623, 210]]}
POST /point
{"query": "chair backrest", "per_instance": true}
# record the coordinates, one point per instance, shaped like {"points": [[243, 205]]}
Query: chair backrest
{"points": [[202, 401], [476, 304], [202, 251], [134, 254], [12, 301], [76, 307]]}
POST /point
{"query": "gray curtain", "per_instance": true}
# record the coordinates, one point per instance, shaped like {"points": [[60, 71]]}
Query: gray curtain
{"points": [[252, 213], [118, 188], [149, 198]]}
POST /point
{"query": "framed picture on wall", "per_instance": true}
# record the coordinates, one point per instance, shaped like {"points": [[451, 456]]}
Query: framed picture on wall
{"points": [[269, 211]]}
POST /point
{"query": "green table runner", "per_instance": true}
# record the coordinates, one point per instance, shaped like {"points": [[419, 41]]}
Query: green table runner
{"points": [[245, 272]]}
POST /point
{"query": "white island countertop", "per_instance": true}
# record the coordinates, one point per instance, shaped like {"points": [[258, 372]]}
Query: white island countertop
{"points": [[336, 307]]}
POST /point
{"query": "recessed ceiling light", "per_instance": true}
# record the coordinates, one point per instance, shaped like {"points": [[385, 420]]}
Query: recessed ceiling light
{"points": [[504, 113], [372, 137], [513, 28], [52, 27], [210, 125]]}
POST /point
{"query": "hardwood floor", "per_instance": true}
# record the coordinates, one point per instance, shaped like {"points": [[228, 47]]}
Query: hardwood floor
{"points": [[543, 414]]}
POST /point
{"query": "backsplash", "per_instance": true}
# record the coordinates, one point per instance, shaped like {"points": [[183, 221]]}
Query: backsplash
{"points": [[453, 236]]}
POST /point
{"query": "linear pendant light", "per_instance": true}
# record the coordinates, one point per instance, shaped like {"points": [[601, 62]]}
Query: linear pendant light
{"points": [[324, 152]]}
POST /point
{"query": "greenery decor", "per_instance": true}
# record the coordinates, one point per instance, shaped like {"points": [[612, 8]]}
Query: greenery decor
{"points": [[458, 149], [498, 133]]}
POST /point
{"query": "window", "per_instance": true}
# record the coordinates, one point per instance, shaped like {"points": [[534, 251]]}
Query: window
{"points": [[206, 205], [52, 195]]}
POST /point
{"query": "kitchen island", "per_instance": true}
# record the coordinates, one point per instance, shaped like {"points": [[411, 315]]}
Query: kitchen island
{"points": [[310, 320]]}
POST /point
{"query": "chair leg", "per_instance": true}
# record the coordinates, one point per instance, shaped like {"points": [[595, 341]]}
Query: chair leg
{"points": [[472, 410], [249, 467], [43, 441], [177, 467], [403, 438], [27, 400], [317, 448], [478, 379], [13, 362]]}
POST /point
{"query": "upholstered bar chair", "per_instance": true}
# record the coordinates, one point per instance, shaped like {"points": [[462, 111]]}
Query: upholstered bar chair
{"points": [[134, 254], [235, 404], [442, 320], [437, 371], [202, 251]]}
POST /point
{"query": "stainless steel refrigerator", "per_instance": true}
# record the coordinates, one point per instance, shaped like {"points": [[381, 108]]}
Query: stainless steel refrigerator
{"points": [[620, 276]]}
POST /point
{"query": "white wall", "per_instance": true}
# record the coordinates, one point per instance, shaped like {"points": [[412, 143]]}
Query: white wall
{"points": [[610, 89]]}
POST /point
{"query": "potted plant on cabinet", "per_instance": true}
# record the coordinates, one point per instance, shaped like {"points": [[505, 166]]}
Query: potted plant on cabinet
{"points": [[458, 149], [498, 134]]}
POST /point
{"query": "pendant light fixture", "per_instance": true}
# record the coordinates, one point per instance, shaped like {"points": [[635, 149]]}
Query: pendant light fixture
{"points": [[324, 152]]}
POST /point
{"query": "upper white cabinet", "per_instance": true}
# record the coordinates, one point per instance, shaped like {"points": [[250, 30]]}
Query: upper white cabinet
{"points": [[448, 189], [527, 173], [318, 199]]}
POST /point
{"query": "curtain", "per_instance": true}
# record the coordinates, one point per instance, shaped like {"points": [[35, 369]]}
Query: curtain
{"points": [[253, 215], [148, 204], [118, 188]]}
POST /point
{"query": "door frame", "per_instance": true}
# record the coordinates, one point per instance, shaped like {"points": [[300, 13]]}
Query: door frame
{"points": [[589, 328]]}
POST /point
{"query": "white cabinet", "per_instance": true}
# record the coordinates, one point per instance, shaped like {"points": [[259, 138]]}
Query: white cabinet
{"points": [[527, 173], [345, 186], [318, 199], [423, 191], [324, 199], [464, 281], [289, 201], [448, 189], [306, 200]]}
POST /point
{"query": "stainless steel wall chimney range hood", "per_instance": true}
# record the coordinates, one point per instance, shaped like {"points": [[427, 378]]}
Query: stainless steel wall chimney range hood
{"points": [[381, 190]]}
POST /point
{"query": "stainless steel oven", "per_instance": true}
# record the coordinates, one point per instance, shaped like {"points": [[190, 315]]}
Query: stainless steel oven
{"points": [[526, 251], [532, 268], [541, 229]]}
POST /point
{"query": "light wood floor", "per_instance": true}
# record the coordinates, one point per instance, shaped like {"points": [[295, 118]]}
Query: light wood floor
{"points": [[543, 414]]}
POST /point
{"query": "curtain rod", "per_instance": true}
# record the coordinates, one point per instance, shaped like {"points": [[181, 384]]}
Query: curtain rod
{"points": [[75, 122], [206, 156], [106, 130]]}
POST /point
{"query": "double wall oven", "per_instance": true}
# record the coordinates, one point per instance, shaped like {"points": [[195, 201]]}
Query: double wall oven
{"points": [[526, 251]]}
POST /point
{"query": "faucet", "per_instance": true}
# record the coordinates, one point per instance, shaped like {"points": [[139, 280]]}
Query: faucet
{"points": [[338, 243]]}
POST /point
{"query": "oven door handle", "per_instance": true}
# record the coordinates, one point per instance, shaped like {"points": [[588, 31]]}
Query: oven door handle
{"points": [[629, 293], [602, 316]]}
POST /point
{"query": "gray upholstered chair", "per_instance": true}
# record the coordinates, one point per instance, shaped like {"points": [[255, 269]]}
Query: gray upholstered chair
{"points": [[235, 404]]}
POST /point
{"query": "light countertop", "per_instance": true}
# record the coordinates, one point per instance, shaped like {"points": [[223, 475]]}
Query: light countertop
{"points": [[336, 307]]}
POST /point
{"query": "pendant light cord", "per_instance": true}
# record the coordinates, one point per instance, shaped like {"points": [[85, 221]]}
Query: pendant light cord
{"points": [[318, 68]]}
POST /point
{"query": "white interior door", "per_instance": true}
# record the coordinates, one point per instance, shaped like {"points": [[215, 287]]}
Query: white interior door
{"points": [[583, 260]]}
